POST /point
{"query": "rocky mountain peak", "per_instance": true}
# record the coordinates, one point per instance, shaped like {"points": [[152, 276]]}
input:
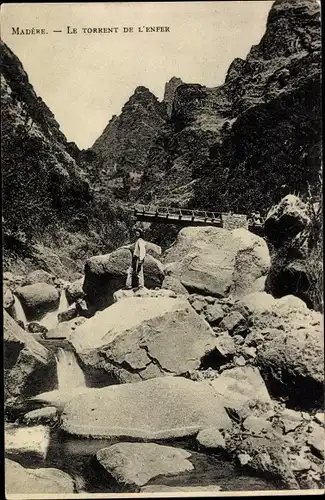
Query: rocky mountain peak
{"points": [[169, 94], [125, 142]]}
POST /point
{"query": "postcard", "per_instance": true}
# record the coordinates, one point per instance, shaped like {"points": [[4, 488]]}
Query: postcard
{"points": [[162, 249]]}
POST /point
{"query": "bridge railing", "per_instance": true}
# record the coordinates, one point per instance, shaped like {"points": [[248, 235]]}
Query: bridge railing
{"points": [[176, 212], [187, 214]]}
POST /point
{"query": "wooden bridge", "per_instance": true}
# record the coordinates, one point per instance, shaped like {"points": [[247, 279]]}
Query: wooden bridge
{"points": [[188, 217]]}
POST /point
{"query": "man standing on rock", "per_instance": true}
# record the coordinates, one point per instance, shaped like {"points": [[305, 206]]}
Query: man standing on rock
{"points": [[135, 278]]}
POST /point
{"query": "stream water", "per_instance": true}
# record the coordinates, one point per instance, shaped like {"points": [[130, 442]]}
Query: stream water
{"points": [[19, 312], [76, 456], [50, 319]]}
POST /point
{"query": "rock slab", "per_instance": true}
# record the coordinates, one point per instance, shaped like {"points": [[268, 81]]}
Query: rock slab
{"points": [[134, 464], [160, 408], [138, 338], [40, 481]]}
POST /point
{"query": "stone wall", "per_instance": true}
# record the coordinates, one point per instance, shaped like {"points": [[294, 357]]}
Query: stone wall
{"points": [[234, 221]]}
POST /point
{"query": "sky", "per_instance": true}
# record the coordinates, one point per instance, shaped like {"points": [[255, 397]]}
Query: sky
{"points": [[86, 78]]}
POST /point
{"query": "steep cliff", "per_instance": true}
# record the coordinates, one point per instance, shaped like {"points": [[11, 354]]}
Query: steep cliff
{"points": [[49, 192], [42, 182], [123, 146], [242, 145], [169, 94]]}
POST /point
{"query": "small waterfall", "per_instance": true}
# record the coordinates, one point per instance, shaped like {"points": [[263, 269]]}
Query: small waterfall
{"points": [[70, 375], [63, 305], [50, 320], [19, 311]]}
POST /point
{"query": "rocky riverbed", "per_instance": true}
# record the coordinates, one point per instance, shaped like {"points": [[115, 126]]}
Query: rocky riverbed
{"points": [[202, 380]]}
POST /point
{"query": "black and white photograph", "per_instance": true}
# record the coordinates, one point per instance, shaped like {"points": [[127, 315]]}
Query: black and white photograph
{"points": [[162, 241]]}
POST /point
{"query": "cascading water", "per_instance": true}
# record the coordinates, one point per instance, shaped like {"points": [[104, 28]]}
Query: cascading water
{"points": [[70, 375], [63, 305], [50, 320], [19, 311]]}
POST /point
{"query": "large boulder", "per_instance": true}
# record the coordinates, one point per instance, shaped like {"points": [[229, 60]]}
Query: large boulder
{"points": [[286, 220], [74, 291], [31, 441], [292, 364], [160, 408], [296, 277], [139, 338], [239, 386], [39, 276], [105, 274], [37, 299], [28, 365], [134, 464], [21, 481], [289, 339], [214, 261]]}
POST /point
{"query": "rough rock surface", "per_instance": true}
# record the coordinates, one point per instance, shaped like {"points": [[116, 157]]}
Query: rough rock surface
{"points": [[44, 416], [26, 362], [134, 464], [292, 361], [160, 408], [123, 147], [75, 291], [21, 481], [65, 329], [286, 219], [169, 94], [211, 438], [267, 456], [290, 347], [237, 386], [38, 299], [145, 293], [139, 338], [174, 284], [234, 322], [105, 274], [214, 314], [27, 440], [39, 276], [214, 261]]}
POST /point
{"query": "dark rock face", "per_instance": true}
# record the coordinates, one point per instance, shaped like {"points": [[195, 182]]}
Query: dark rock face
{"points": [[169, 94], [285, 220], [29, 367], [294, 231], [124, 144], [245, 144]]}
